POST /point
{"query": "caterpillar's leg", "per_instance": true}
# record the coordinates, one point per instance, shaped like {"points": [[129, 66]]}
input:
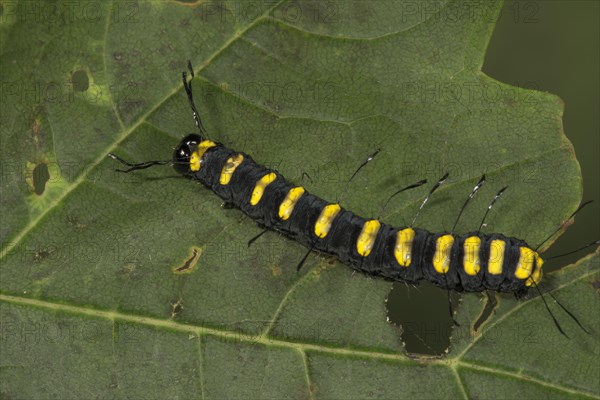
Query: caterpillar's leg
{"points": [[265, 230], [301, 263]]}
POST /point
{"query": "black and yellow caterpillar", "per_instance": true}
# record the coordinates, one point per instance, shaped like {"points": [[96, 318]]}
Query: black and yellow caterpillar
{"points": [[472, 262]]}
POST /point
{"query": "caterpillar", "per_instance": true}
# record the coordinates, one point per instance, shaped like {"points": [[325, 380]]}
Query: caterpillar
{"points": [[472, 262]]}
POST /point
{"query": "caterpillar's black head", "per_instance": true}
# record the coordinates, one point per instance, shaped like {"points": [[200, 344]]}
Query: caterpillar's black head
{"points": [[183, 152]]}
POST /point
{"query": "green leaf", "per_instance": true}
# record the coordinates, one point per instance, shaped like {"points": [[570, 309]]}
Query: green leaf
{"points": [[90, 293]]}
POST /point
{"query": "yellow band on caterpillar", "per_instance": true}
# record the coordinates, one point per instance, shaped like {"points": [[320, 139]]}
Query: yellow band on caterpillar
{"points": [[441, 258], [196, 156], [323, 224], [229, 168], [471, 261], [288, 204], [536, 277], [366, 239], [496, 259], [259, 188], [525, 264], [403, 248]]}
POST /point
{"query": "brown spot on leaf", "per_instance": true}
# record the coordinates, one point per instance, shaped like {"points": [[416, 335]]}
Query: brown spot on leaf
{"points": [[190, 263], [36, 131], [44, 253], [74, 223], [276, 270], [176, 308], [129, 271]]}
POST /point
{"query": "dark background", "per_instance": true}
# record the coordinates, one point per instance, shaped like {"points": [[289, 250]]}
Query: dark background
{"points": [[552, 46]]}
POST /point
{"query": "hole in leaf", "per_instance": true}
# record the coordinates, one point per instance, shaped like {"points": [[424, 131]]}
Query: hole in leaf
{"points": [[486, 313], [80, 81], [41, 175], [422, 312]]}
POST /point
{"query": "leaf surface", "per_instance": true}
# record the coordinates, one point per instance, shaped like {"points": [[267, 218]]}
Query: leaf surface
{"points": [[88, 266]]}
